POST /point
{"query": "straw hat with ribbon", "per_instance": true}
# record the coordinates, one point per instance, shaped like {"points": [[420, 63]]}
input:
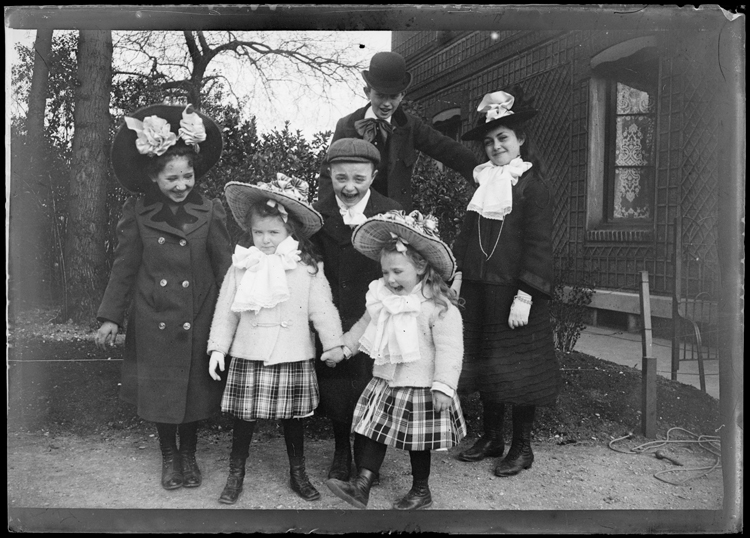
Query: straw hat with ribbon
{"points": [[152, 130], [501, 108], [289, 194], [414, 229]]}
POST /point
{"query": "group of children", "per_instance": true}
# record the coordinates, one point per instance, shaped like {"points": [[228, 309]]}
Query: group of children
{"points": [[343, 306]]}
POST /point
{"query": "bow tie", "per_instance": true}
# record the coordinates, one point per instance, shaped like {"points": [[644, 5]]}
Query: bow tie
{"points": [[352, 218], [369, 128]]}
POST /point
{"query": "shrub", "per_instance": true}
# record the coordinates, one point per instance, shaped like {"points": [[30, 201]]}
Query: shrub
{"points": [[568, 306]]}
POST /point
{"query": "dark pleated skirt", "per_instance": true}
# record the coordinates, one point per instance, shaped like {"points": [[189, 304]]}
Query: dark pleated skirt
{"points": [[516, 366]]}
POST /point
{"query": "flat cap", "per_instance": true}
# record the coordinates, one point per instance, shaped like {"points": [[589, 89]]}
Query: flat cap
{"points": [[353, 150]]}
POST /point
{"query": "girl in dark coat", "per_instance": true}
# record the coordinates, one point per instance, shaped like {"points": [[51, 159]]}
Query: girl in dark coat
{"points": [[173, 251], [504, 253]]}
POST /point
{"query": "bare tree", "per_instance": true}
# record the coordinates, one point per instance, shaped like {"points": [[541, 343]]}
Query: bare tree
{"points": [[85, 269], [194, 63], [28, 190]]}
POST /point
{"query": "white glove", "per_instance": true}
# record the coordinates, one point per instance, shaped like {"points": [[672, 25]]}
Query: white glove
{"points": [[456, 286], [519, 310], [217, 359]]}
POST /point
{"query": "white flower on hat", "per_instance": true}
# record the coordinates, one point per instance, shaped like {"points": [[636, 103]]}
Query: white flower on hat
{"points": [[192, 130], [155, 135], [496, 105]]}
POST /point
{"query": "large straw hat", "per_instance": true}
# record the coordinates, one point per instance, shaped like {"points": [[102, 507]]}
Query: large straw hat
{"points": [[387, 73], [501, 108], [415, 229], [132, 150], [289, 192]]}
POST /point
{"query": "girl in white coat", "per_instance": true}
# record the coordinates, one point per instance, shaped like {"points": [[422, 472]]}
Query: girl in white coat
{"points": [[269, 297], [412, 329]]}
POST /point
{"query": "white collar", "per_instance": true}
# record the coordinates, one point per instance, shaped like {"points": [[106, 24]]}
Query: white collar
{"points": [[359, 207]]}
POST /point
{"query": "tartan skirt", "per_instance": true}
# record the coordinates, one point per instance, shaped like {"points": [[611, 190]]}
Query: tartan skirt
{"points": [[280, 391], [403, 417]]}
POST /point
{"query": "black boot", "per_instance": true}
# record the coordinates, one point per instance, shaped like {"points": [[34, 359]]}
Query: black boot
{"points": [[299, 481], [358, 440], [171, 470], [341, 465], [235, 479], [357, 491], [191, 474], [242, 434], [519, 456], [419, 497], [491, 444]]}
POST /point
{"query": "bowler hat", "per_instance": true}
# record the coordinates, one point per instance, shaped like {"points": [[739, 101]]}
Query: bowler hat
{"points": [[387, 73], [501, 108], [353, 150], [132, 150]]}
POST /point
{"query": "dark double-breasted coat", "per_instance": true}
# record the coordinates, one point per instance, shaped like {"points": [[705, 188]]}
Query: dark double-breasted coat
{"points": [[349, 273], [410, 134], [168, 277]]}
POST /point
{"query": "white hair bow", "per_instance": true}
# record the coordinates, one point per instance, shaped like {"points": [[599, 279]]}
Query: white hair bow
{"points": [[496, 105], [400, 242], [281, 208]]}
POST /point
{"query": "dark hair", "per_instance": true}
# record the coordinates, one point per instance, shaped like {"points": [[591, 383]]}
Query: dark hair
{"points": [[442, 294], [308, 253], [155, 165]]}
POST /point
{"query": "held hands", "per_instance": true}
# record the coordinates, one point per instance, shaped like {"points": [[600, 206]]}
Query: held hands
{"points": [[440, 402], [106, 334], [519, 310], [333, 356], [217, 359]]}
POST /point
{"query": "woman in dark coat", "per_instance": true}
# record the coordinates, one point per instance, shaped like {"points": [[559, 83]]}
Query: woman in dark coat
{"points": [[173, 250], [504, 253]]}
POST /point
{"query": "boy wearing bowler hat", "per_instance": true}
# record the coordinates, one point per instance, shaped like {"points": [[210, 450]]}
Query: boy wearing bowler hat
{"points": [[396, 134], [352, 164]]}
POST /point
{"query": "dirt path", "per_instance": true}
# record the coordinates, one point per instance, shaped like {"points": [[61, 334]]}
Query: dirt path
{"points": [[123, 472]]}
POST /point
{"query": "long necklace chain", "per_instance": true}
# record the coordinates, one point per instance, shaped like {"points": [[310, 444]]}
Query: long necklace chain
{"points": [[479, 229]]}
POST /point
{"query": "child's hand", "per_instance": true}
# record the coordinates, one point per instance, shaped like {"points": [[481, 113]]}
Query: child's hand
{"points": [[106, 334], [519, 310], [456, 285], [333, 356], [217, 359], [440, 402]]}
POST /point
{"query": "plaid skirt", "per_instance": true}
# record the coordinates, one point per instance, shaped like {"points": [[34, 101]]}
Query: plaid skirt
{"points": [[280, 391], [403, 417]]}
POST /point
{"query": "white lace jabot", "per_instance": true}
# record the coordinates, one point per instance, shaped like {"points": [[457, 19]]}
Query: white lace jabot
{"points": [[264, 284], [494, 197]]}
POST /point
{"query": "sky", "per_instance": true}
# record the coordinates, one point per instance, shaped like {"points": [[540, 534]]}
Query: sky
{"points": [[304, 111]]}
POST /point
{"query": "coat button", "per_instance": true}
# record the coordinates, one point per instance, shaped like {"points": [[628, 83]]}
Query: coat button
{"points": [[161, 240], [186, 326], [185, 284], [162, 325], [183, 242], [163, 282], [284, 324]]}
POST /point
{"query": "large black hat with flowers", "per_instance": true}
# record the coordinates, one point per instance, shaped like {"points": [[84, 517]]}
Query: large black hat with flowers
{"points": [[501, 108], [152, 130]]}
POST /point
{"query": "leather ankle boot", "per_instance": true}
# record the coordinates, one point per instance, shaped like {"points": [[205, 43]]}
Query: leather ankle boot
{"points": [[171, 470], [299, 481], [341, 465], [419, 497], [357, 491], [191, 474], [519, 456], [491, 444], [235, 479]]}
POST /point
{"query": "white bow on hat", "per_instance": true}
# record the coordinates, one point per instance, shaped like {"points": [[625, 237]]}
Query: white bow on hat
{"points": [[496, 105]]}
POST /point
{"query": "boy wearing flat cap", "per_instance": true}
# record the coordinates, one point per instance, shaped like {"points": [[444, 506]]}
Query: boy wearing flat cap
{"points": [[351, 163], [396, 134]]}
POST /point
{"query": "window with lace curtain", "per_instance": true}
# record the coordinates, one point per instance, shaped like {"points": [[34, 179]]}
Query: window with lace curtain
{"points": [[622, 146]]}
